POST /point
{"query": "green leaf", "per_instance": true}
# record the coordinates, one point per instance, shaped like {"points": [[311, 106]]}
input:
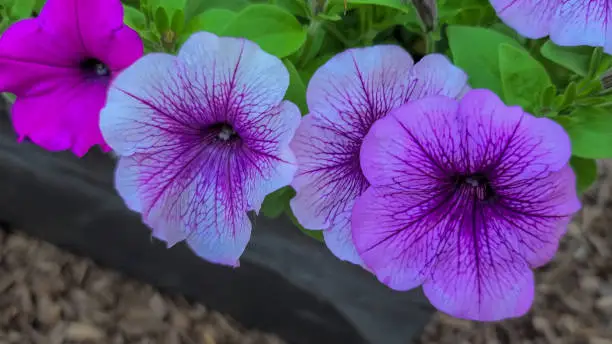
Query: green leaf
{"points": [[178, 22], [162, 23], [315, 234], [134, 18], [296, 92], [22, 9], [401, 5], [214, 21], [590, 131], [523, 77], [586, 172], [595, 62], [275, 203], [10, 96], [465, 12], [274, 29], [576, 59], [298, 8], [547, 96], [476, 51], [196, 7], [569, 96]]}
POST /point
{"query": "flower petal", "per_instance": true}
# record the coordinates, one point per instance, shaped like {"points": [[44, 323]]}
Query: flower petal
{"points": [[190, 184], [345, 96], [339, 238], [395, 221], [395, 236], [139, 112], [268, 141], [530, 18], [434, 74], [83, 22], [30, 69], [509, 141], [418, 224], [415, 146], [538, 211], [476, 280], [579, 22], [234, 73], [465, 258], [92, 28], [69, 120]]}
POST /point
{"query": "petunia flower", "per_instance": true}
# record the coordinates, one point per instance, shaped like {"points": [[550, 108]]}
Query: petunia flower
{"points": [[467, 198], [345, 97], [202, 137], [59, 66], [568, 22]]}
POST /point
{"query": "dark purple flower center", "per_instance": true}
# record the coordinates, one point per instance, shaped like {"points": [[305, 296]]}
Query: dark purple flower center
{"points": [[94, 68], [222, 132], [477, 184]]}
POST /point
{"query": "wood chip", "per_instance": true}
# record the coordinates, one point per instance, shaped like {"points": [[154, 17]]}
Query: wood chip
{"points": [[51, 297], [83, 332]]}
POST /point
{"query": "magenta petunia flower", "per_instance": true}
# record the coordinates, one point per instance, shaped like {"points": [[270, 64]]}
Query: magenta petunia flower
{"points": [[568, 22], [345, 97], [467, 197], [59, 66], [203, 138]]}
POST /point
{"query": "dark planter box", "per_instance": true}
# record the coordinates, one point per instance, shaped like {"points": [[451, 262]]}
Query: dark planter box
{"points": [[288, 283]]}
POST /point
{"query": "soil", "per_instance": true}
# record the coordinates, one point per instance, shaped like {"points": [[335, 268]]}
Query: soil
{"points": [[48, 296]]}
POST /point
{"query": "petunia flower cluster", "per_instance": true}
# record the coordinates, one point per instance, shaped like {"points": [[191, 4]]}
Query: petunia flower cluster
{"points": [[406, 170]]}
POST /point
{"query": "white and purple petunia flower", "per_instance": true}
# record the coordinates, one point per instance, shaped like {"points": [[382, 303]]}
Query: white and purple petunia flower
{"points": [[345, 97], [466, 198], [568, 22], [203, 137]]}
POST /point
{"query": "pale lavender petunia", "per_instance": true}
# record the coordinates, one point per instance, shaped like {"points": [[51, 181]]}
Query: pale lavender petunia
{"points": [[568, 22], [203, 138], [345, 97], [467, 197]]}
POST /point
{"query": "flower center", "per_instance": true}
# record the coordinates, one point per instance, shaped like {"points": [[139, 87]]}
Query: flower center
{"points": [[477, 184], [223, 132], [95, 68]]}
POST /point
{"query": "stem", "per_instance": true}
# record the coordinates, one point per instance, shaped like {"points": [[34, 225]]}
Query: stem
{"points": [[339, 35], [306, 53], [430, 43]]}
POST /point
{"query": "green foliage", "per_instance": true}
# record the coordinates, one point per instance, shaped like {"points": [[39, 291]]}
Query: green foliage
{"points": [[274, 29], [575, 59], [134, 18], [590, 130], [315, 234], [214, 20], [476, 50], [466, 12], [296, 92], [523, 78], [275, 203], [586, 172], [397, 4]]}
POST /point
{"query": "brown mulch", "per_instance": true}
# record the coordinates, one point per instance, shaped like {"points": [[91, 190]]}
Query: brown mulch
{"points": [[48, 296], [573, 303]]}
